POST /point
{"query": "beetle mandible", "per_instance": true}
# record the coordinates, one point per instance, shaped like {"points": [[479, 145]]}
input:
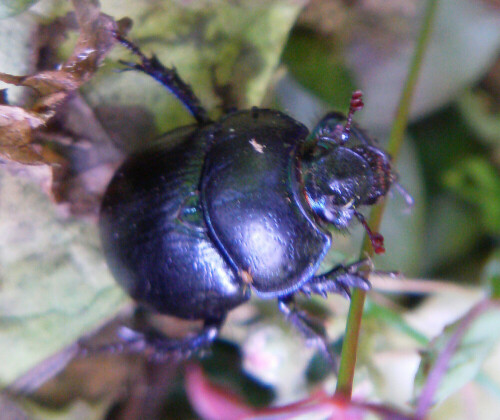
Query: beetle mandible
{"points": [[214, 211]]}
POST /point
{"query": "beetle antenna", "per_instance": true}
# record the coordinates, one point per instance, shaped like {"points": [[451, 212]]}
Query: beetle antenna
{"points": [[355, 105], [376, 238]]}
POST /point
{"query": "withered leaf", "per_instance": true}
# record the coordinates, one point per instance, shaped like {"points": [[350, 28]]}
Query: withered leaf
{"points": [[54, 86], [16, 126]]}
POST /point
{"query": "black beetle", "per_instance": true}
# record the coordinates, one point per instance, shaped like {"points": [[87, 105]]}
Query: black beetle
{"points": [[212, 211]]}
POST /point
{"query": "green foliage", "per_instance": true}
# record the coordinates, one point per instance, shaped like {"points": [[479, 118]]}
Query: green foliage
{"points": [[55, 284], [210, 43], [465, 364], [477, 182], [480, 111], [14, 7], [317, 63], [380, 313], [491, 274]]}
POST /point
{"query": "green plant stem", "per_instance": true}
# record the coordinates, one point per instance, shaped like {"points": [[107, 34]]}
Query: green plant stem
{"points": [[353, 327]]}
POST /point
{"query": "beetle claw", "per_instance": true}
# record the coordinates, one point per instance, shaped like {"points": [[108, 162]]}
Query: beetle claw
{"points": [[346, 292]]}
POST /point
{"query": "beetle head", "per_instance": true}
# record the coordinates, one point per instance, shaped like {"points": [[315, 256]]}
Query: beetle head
{"points": [[344, 170]]}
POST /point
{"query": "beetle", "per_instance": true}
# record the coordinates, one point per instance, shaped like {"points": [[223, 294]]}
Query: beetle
{"points": [[211, 212]]}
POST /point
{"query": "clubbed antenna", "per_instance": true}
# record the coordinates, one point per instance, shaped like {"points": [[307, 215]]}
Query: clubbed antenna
{"points": [[355, 105], [376, 238]]}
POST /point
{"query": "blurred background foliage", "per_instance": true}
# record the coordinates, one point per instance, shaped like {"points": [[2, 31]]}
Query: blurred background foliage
{"points": [[304, 58]]}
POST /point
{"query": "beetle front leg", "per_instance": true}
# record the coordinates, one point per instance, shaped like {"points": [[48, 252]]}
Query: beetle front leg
{"points": [[169, 78], [313, 333], [156, 346], [338, 280]]}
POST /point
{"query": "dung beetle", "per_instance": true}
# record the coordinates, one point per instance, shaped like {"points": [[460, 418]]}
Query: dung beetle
{"points": [[213, 211]]}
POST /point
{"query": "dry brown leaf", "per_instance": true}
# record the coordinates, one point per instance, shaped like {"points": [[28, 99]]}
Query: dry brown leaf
{"points": [[54, 86]]}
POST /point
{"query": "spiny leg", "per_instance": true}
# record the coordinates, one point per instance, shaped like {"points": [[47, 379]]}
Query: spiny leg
{"points": [[168, 77], [339, 280], [313, 333], [156, 346]]}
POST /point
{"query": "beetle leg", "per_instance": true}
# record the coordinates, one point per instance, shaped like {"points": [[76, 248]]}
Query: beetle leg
{"points": [[313, 333], [339, 280], [169, 78], [160, 348], [156, 346]]}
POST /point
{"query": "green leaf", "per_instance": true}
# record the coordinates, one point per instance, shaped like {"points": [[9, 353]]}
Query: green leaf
{"points": [[466, 362], [14, 7], [491, 274], [443, 140], [74, 411], [449, 231], [237, 43], [477, 181], [55, 285], [480, 111], [394, 319], [315, 63]]}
